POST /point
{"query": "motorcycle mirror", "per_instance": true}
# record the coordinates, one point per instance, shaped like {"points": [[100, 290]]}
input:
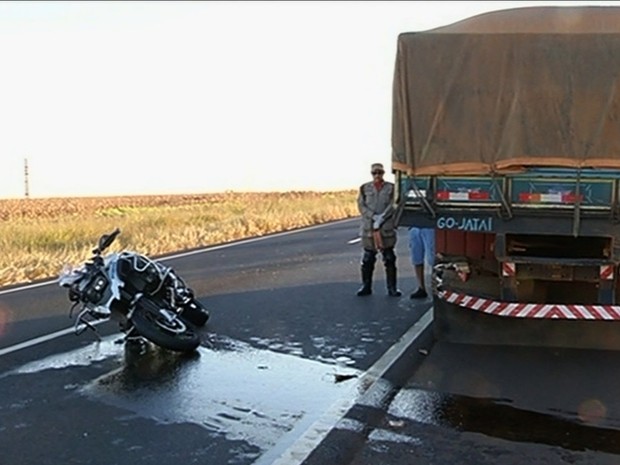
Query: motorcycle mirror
{"points": [[106, 240]]}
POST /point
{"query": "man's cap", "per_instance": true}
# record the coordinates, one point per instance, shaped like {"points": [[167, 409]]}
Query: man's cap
{"points": [[376, 166]]}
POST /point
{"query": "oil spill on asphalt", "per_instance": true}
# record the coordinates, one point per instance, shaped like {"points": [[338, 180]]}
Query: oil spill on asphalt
{"points": [[498, 418], [236, 390]]}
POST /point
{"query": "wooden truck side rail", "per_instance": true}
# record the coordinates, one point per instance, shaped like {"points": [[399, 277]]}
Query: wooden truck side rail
{"points": [[544, 201]]}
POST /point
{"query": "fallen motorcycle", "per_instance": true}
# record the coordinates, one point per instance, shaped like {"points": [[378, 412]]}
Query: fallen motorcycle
{"points": [[150, 300]]}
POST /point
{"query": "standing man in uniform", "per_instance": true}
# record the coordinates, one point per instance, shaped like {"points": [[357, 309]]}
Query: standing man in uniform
{"points": [[376, 205]]}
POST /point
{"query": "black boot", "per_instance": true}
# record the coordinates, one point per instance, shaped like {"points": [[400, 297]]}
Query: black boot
{"points": [[390, 275], [366, 288], [368, 266]]}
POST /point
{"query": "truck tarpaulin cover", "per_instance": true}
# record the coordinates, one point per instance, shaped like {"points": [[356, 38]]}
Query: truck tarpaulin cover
{"points": [[510, 89]]}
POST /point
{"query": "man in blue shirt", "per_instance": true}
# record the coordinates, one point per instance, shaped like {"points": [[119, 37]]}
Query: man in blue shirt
{"points": [[422, 248]]}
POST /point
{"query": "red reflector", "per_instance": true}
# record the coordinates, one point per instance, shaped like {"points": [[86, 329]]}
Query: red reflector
{"points": [[481, 195], [571, 198]]}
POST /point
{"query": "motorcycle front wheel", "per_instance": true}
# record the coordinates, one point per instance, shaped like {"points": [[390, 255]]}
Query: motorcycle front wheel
{"points": [[164, 327]]}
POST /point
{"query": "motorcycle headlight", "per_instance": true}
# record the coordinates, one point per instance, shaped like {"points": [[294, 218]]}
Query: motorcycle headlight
{"points": [[96, 288], [99, 283], [92, 295]]}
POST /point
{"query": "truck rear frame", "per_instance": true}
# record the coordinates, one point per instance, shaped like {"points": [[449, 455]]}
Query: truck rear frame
{"points": [[522, 255]]}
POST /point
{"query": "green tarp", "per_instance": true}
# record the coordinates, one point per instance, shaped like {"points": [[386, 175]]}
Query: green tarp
{"points": [[505, 90]]}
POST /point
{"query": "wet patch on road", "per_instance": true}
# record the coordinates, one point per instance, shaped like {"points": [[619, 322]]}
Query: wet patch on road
{"points": [[497, 418], [232, 389], [426, 427]]}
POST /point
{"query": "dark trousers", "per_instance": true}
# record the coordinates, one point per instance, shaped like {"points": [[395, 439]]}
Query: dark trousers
{"points": [[369, 258]]}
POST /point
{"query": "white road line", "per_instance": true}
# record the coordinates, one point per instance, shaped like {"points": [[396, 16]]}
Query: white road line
{"points": [[27, 287], [312, 437], [195, 252], [41, 339], [49, 337]]}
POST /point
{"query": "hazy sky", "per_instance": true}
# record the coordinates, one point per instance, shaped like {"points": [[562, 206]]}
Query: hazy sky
{"points": [[113, 98]]}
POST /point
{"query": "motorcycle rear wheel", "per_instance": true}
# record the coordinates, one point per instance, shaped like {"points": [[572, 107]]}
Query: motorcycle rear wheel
{"points": [[164, 327], [195, 313]]}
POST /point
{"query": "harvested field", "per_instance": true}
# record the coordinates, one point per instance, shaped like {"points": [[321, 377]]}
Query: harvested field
{"points": [[39, 236]]}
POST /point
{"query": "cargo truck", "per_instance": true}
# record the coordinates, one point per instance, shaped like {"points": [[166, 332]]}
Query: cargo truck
{"points": [[506, 141]]}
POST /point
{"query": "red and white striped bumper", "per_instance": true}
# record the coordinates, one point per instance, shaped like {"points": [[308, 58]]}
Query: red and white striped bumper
{"points": [[532, 310]]}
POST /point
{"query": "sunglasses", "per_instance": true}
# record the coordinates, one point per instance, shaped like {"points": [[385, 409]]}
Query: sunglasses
{"points": [[377, 172]]}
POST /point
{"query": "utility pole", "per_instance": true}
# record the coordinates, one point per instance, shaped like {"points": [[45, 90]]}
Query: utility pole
{"points": [[26, 189]]}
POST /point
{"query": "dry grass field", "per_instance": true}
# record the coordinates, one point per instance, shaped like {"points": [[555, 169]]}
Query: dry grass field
{"points": [[39, 236]]}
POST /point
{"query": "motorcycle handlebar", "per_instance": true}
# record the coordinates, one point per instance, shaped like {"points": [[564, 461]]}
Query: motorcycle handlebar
{"points": [[105, 241]]}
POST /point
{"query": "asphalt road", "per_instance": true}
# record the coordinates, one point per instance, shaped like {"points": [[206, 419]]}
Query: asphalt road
{"points": [[295, 369], [288, 343]]}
